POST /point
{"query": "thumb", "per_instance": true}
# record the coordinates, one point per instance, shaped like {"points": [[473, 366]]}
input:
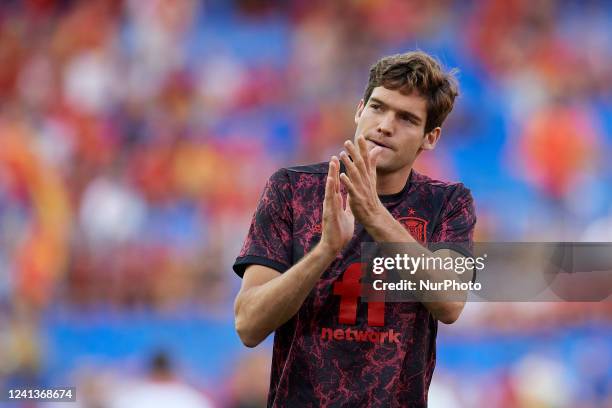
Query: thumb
{"points": [[374, 153], [373, 158], [348, 211], [348, 205]]}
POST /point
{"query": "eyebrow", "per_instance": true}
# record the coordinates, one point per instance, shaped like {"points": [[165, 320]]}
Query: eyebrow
{"points": [[411, 115]]}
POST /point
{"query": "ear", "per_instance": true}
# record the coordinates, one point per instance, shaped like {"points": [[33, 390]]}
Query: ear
{"points": [[431, 139], [360, 107]]}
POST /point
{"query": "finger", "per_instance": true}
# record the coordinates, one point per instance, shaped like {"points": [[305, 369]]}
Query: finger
{"points": [[348, 184], [373, 158], [358, 159], [339, 202], [330, 167], [328, 200], [363, 149], [328, 193], [348, 211], [348, 208], [336, 174], [351, 169]]}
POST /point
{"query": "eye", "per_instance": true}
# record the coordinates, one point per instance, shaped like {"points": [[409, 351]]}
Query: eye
{"points": [[408, 119], [375, 106]]}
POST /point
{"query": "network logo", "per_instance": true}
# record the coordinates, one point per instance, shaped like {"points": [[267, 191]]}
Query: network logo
{"points": [[349, 290]]}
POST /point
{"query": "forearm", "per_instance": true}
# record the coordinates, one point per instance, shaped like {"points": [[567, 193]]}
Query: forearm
{"points": [[444, 305], [262, 309]]}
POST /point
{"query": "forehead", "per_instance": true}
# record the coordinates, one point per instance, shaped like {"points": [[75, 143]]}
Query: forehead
{"points": [[413, 102]]}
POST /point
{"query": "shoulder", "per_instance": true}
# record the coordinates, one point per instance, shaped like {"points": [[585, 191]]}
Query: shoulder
{"points": [[299, 175], [286, 173], [305, 177], [316, 168], [447, 188], [451, 195]]}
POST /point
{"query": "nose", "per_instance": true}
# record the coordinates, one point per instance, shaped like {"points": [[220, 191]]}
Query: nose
{"points": [[385, 126]]}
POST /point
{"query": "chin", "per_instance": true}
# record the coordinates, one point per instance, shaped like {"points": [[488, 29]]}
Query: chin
{"points": [[384, 168]]}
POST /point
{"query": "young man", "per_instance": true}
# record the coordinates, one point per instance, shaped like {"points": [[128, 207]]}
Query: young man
{"points": [[303, 251]]}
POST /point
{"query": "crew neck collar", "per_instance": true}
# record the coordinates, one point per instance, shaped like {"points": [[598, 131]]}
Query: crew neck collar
{"points": [[387, 198]]}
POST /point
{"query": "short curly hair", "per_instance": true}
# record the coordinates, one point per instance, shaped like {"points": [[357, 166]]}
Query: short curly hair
{"points": [[420, 72]]}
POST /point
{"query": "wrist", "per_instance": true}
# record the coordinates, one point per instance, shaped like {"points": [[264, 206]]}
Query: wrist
{"points": [[384, 228], [325, 249], [376, 217]]}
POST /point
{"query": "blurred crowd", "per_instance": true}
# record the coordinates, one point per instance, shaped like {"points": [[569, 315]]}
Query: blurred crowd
{"points": [[136, 137]]}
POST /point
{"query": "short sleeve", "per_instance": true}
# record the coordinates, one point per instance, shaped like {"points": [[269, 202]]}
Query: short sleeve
{"points": [[455, 230], [269, 240]]}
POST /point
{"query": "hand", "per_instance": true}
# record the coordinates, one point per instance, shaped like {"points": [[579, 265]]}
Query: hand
{"points": [[361, 181], [338, 221]]}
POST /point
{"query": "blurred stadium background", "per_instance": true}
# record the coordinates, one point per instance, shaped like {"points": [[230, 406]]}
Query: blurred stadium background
{"points": [[136, 136]]}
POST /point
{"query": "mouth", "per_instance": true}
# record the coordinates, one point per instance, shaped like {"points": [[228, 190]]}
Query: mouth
{"points": [[377, 143]]}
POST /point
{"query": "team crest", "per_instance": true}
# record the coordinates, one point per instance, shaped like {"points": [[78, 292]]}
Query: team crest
{"points": [[416, 226]]}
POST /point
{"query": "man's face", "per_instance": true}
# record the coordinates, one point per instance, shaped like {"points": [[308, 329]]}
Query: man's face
{"points": [[397, 123]]}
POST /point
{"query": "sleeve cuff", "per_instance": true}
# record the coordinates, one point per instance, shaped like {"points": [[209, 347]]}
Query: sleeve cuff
{"points": [[457, 247], [243, 261]]}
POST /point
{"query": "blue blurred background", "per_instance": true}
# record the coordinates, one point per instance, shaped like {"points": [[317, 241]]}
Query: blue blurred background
{"points": [[136, 137]]}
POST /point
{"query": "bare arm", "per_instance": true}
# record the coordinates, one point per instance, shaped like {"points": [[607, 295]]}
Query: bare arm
{"points": [[267, 298]]}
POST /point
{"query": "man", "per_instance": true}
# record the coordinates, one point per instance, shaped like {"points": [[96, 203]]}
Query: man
{"points": [[162, 387], [305, 239]]}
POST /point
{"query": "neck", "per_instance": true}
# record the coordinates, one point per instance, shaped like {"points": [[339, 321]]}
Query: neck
{"points": [[391, 183]]}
